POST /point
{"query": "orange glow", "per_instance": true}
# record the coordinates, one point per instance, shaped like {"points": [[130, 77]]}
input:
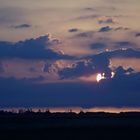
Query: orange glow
{"points": [[99, 77]]}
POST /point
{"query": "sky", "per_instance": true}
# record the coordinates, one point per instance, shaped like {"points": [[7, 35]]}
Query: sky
{"points": [[78, 53]]}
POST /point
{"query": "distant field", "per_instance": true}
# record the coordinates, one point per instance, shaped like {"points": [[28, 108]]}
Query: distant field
{"points": [[69, 126]]}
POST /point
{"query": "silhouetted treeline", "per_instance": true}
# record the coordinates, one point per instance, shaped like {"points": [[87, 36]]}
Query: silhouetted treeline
{"points": [[27, 124]]}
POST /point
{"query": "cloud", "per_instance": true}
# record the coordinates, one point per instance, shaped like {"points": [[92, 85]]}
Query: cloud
{"points": [[1, 68], [73, 30], [97, 45], [86, 67], [86, 17], [38, 48], [121, 71], [125, 44], [105, 29], [117, 92], [88, 34], [121, 28], [79, 69], [106, 20], [98, 63], [108, 28], [119, 53], [137, 35], [22, 26]]}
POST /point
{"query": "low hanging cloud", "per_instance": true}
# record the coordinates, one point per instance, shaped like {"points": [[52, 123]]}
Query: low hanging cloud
{"points": [[38, 48], [22, 26]]}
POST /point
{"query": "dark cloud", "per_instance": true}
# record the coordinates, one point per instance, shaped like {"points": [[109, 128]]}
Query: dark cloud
{"points": [[125, 44], [117, 92], [108, 28], [86, 68], [137, 35], [87, 17], [97, 45], [30, 49], [120, 53], [105, 29], [1, 68], [121, 71], [99, 63], [106, 20], [73, 30], [88, 34], [121, 28], [22, 26], [79, 69]]}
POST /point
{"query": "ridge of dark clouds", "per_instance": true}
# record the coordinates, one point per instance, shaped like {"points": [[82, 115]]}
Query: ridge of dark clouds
{"points": [[30, 49], [99, 63], [119, 53]]}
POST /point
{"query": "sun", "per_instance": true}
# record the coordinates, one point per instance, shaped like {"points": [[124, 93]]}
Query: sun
{"points": [[99, 77]]}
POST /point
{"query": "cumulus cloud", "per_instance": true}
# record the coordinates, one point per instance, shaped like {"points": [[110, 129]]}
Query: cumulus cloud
{"points": [[137, 35], [88, 34], [121, 71], [86, 17], [99, 63], [106, 20], [125, 44], [97, 45], [1, 68], [22, 26], [78, 69], [108, 28], [73, 30], [105, 29], [38, 48], [121, 28]]}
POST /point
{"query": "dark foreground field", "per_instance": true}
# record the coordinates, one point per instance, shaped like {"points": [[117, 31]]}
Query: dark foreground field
{"points": [[69, 126]]}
